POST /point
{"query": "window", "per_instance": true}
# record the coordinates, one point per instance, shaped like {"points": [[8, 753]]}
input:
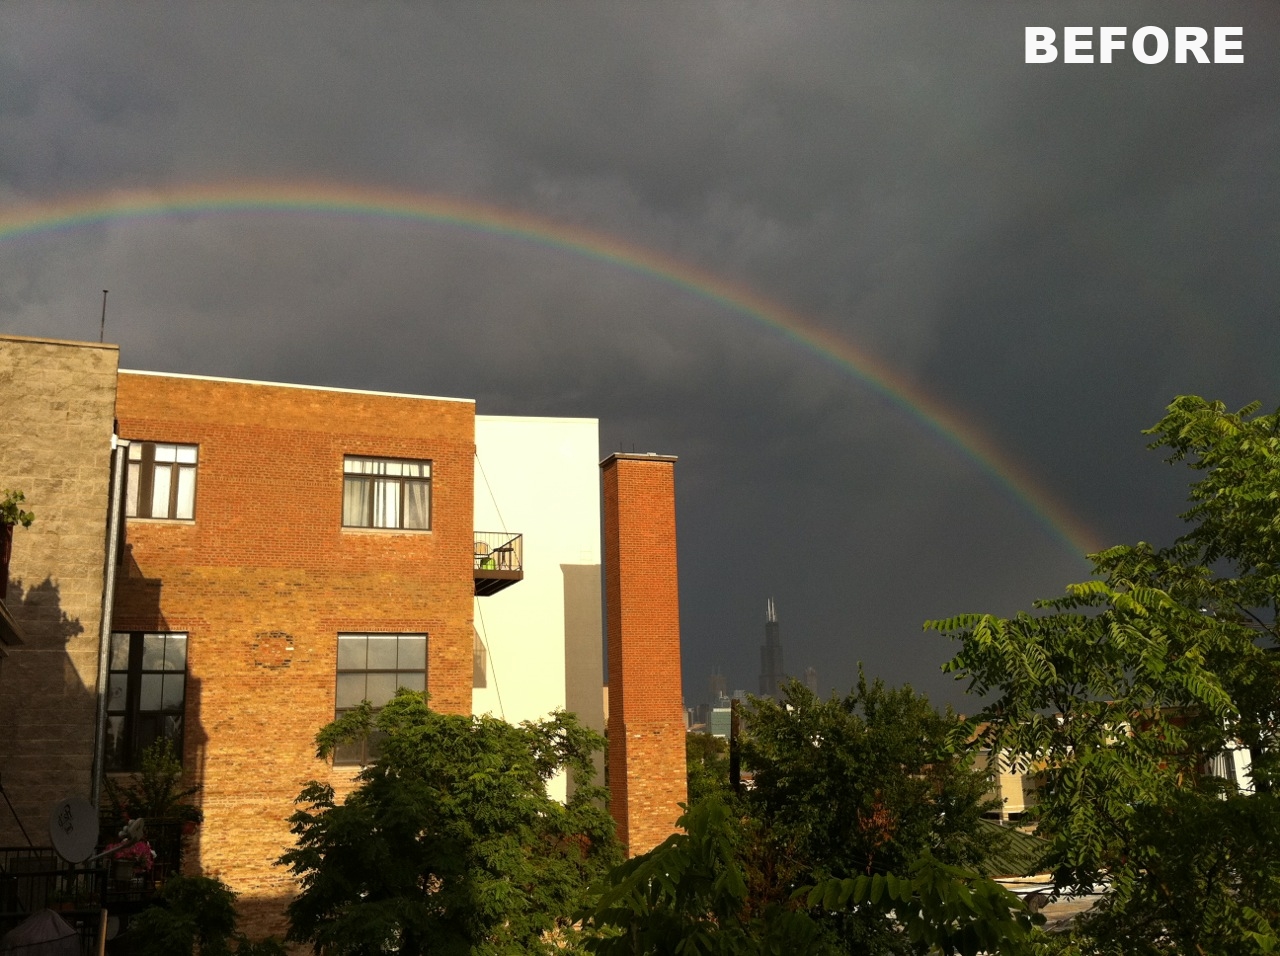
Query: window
{"points": [[162, 481], [372, 667], [385, 493], [146, 691]]}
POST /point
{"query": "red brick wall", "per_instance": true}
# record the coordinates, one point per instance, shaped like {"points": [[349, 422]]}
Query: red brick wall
{"points": [[265, 578], [647, 769]]}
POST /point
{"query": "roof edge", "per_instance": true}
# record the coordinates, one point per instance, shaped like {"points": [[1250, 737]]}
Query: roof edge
{"points": [[314, 388]]}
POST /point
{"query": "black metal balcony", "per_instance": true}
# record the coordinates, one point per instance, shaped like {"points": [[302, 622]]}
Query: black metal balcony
{"points": [[498, 561]]}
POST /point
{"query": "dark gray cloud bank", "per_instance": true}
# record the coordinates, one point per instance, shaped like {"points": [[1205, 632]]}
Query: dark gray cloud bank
{"points": [[1052, 251]]}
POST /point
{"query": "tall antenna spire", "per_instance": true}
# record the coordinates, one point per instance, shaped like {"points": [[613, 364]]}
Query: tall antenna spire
{"points": [[772, 675]]}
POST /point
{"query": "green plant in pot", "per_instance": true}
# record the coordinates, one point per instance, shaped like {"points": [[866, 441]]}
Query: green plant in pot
{"points": [[156, 794]]}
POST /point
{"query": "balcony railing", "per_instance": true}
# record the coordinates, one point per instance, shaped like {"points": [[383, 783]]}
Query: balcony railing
{"points": [[498, 561]]}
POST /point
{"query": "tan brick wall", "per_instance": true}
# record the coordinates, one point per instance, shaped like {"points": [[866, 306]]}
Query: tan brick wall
{"points": [[266, 557], [647, 767], [57, 400]]}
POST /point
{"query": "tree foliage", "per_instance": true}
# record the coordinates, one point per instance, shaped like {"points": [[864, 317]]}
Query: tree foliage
{"points": [[1121, 693], [449, 844], [194, 914], [707, 760], [690, 896], [696, 895], [860, 785], [856, 836]]}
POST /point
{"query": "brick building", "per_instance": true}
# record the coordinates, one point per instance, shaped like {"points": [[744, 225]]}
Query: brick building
{"points": [[280, 552]]}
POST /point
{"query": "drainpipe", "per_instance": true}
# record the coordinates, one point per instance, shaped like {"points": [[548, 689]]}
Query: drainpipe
{"points": [[115, 521]]}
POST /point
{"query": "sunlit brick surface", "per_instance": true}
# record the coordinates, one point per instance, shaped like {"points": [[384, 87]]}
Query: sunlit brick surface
{"points": [[646, 712], [265, 578]]}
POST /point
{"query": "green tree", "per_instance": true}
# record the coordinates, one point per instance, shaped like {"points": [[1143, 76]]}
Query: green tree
{"points": [[708, 765], [865, 784], [690, 896], [857, 835], [194, 914], [1121, 693], [694, 896], [449, 844]]}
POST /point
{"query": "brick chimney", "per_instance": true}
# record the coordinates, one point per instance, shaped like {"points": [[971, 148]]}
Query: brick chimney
{"points": [[647, 768]]}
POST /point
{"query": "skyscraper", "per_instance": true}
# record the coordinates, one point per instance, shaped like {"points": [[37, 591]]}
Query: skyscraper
{"points": [[811, 679], [771, 672]]}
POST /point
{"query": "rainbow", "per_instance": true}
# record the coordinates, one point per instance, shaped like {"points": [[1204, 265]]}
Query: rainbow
{"points": [[333, 199]]}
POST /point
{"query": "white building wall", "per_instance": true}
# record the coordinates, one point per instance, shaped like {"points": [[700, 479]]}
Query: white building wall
{"points": [[539, 477]]}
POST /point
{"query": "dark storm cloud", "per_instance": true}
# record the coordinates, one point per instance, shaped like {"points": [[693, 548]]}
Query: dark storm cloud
{"points": [[1052, 251]]}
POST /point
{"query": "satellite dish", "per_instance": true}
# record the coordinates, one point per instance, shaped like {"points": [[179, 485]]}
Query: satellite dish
{"points": [[73, 828]]}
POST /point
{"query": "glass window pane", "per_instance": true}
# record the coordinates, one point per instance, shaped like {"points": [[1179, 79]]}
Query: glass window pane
{"points": [[382, 652], [185, 506], [347, 754], [117, 688], [381, 688], [160, 492], [131, 487], [187, 454], [417, 505], [351, 690], [119, 652], [171, 695], [391, 468], [135, 451], [153, 652], [351, 651], [356, 494], [413, 653], [173, 731], [115, 743], [386, 504], [150, 692], [175, 652], [166, 453], [147, 728], [413, 680]]}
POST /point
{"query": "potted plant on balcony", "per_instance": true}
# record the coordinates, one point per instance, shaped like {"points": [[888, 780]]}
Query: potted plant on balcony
{"points": [[131, 859], [11, 515], [156, 795]]}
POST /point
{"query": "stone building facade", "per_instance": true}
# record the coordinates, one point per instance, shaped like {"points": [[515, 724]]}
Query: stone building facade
{"points": [[55, 447]]}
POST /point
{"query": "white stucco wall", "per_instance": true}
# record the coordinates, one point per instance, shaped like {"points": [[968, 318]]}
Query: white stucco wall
{"points": [[544, 474]]}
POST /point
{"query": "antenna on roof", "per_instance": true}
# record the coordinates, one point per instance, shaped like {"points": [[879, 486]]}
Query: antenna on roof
{"points": [[102, 327]]}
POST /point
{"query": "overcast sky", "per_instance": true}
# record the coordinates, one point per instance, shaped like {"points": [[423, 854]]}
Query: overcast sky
{"points": [[1050, 251]]}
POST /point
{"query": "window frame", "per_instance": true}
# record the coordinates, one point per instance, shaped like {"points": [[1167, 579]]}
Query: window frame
{"points": [[361, 752], [373, 478], [142, 469], [126, 756]]}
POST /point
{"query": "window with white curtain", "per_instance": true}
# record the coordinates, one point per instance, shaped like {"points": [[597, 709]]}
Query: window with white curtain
{"points": [[386, 493], [161, 481]]}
